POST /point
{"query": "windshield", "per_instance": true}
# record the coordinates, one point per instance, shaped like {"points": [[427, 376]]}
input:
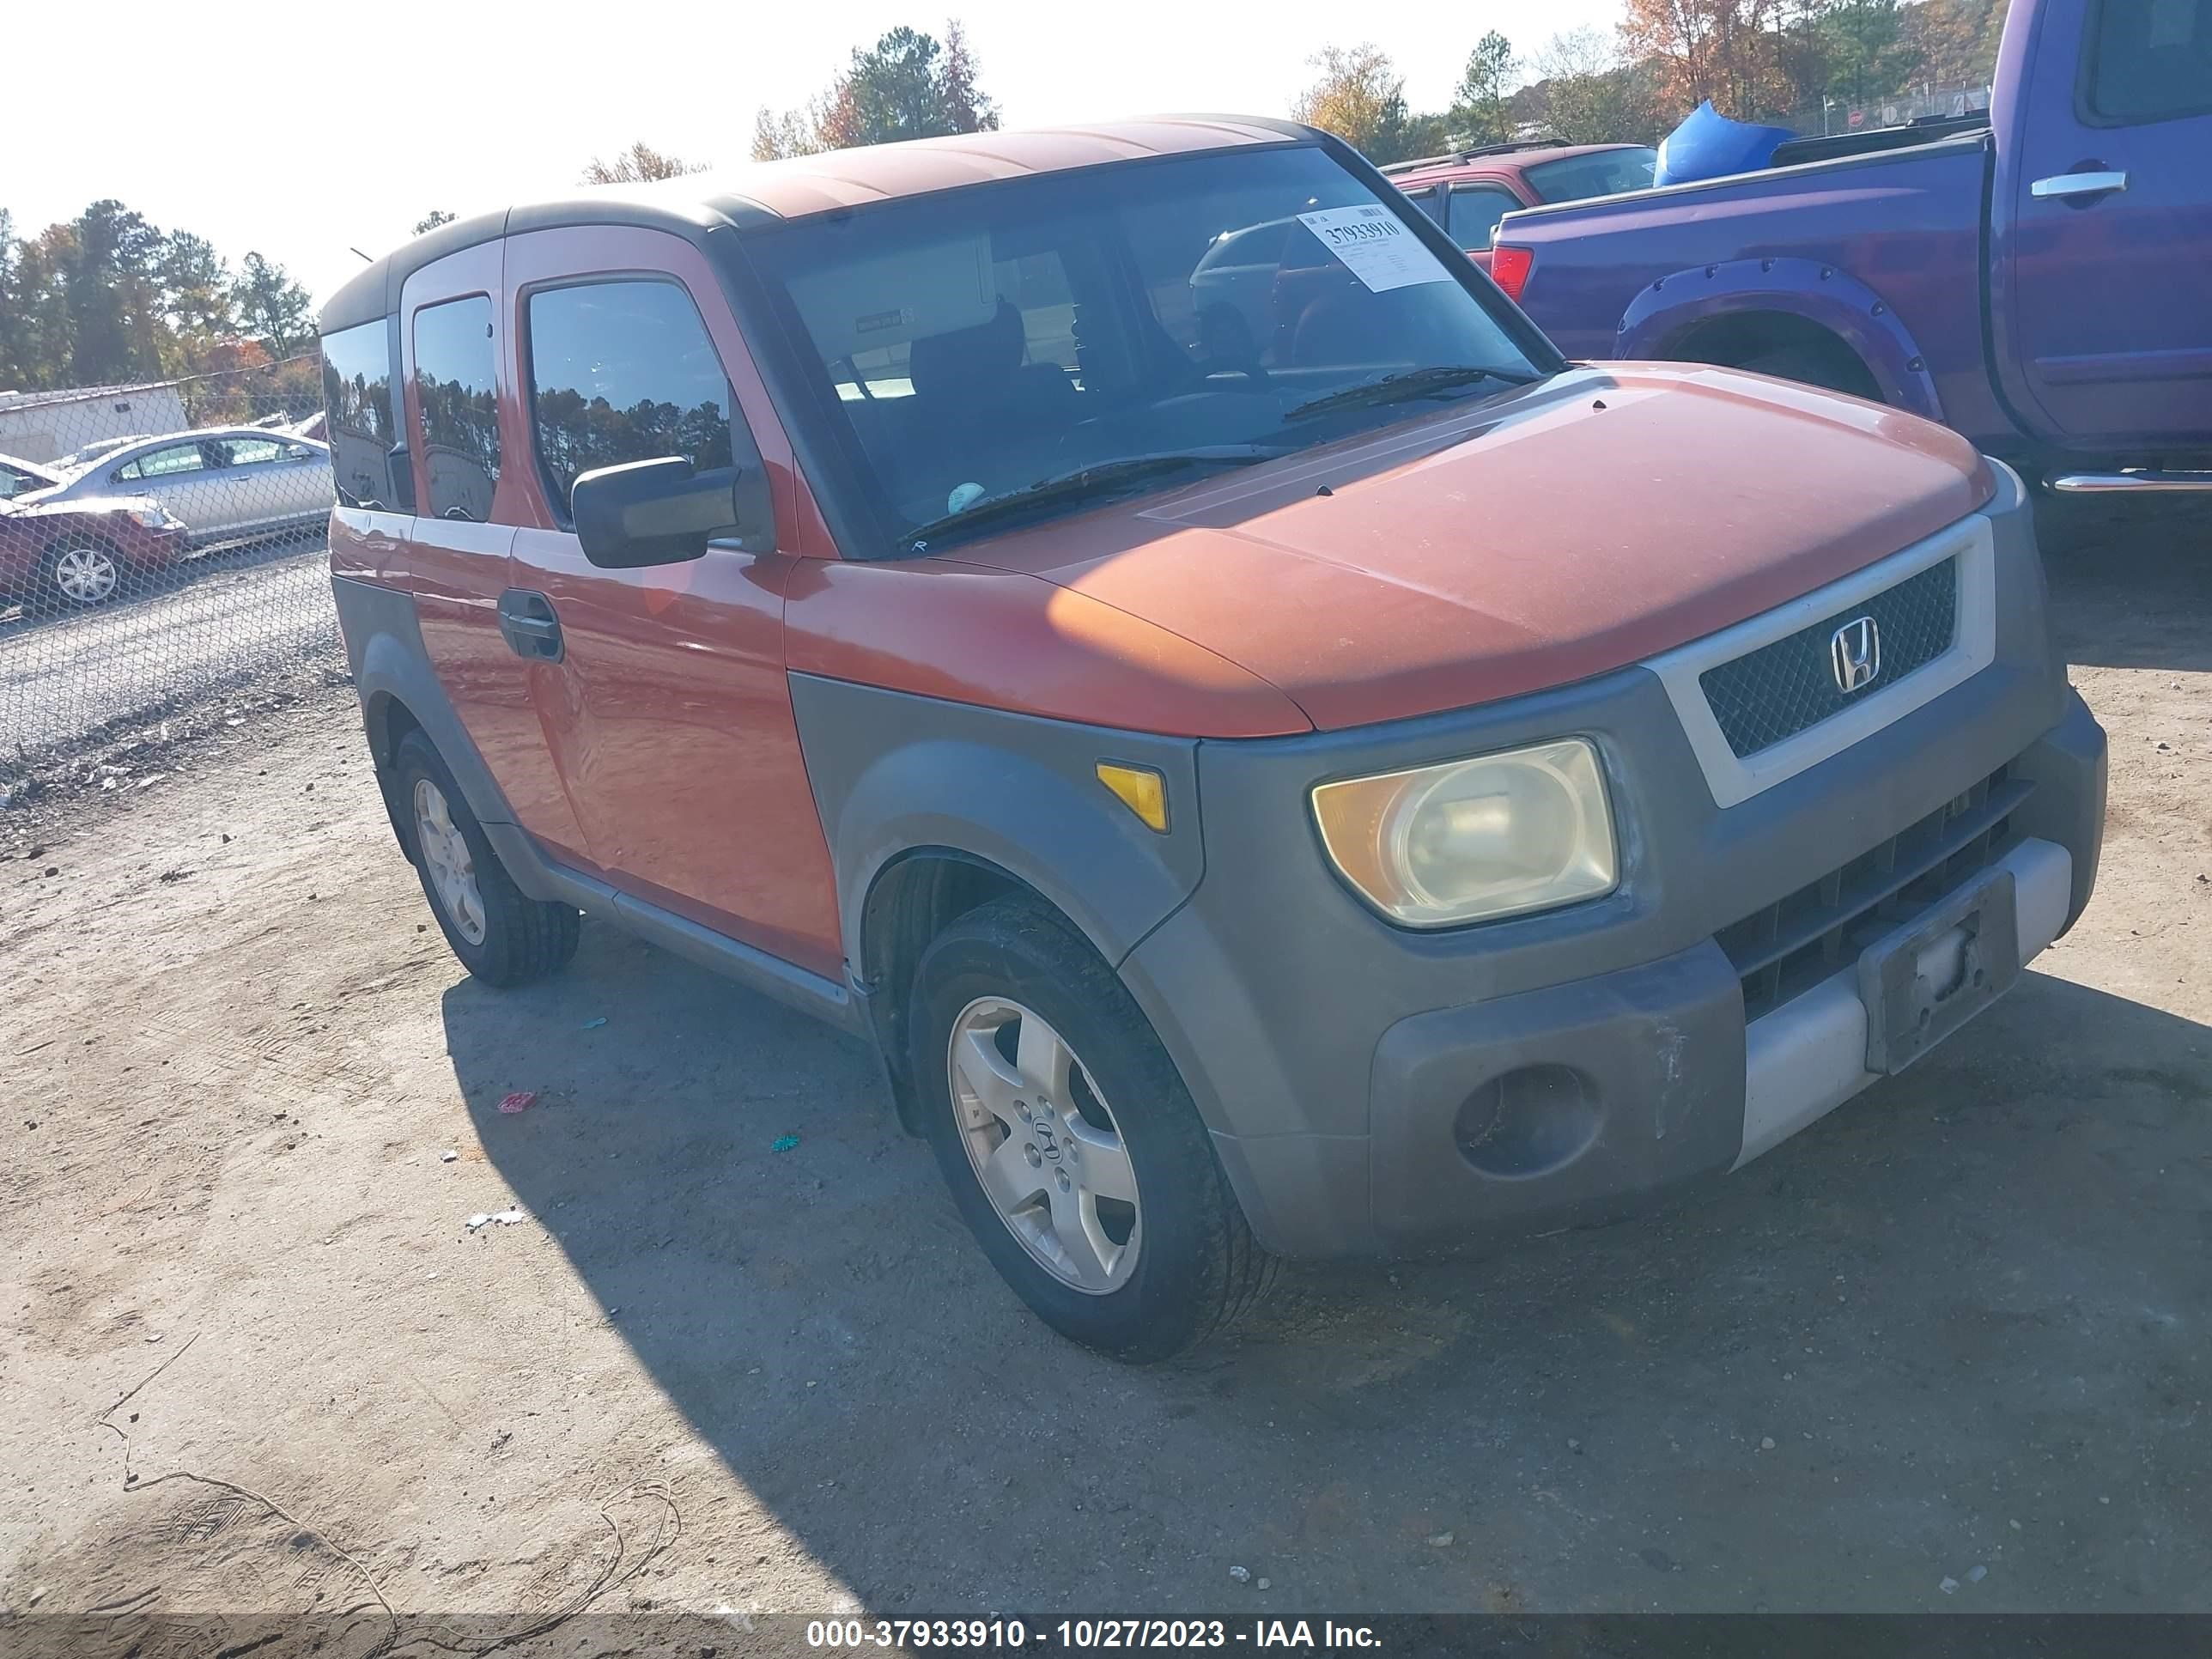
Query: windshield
{"points": [[1123, 329], [1607, 173]]}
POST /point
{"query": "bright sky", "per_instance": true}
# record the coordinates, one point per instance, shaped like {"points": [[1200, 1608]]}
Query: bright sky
{"points": [[284, 131]]}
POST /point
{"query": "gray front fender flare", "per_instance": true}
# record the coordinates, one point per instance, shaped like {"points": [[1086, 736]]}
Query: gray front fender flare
{"points": [[893, 773]]}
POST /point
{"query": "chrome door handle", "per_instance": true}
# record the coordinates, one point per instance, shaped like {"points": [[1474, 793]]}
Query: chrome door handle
{"points": [[2078, 184]]}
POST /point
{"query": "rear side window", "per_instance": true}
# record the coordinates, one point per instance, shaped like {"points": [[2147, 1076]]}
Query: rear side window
{"points": [[364, 430], [1475, 211], [454, 381], [625, 371], [2152, 59], [1429, 202], [1607, 173], [163, 463]]}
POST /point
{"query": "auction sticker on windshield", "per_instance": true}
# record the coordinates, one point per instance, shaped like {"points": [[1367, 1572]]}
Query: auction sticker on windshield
{"points": [[1371, 239]]}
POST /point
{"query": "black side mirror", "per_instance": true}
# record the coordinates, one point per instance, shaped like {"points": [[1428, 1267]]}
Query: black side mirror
{"points": [[658, 512]]}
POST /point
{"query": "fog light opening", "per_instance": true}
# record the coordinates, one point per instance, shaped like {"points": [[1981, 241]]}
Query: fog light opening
{"points": [[1530, 1121]]}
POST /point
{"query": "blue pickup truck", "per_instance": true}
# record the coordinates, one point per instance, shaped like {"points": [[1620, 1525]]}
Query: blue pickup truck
{"points": [[2041, 280]]}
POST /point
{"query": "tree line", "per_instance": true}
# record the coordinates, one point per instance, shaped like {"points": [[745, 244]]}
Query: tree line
{"points": [[111, 298], [108, 298], [1758, 60]]}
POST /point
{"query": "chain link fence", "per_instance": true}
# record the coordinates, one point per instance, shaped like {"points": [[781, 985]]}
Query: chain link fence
{"points": [[1843, 113], [160, 557]]}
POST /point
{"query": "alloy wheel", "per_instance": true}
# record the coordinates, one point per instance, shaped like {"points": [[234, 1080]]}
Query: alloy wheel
{"points": [[1044, 1145], [446, 857], [85, 575]]}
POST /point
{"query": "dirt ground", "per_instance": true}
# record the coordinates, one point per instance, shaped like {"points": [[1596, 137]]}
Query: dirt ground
{"points": [[1947, 1349]]}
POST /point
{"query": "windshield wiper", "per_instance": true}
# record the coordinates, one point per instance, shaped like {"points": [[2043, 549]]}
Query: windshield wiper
{"points": [[1406, 385], [1097, 478]]}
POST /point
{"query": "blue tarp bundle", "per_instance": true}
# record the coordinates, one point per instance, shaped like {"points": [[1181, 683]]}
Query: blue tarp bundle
{"points": [[1708, 145]]}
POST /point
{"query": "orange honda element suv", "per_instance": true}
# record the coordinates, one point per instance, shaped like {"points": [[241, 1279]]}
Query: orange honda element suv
{"points": [[1132, 623]]}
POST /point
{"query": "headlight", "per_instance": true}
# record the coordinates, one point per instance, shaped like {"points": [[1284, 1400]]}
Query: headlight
{"points": [[1470, 840]]}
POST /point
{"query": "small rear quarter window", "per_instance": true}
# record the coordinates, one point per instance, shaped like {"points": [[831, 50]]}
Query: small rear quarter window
{"points": [[357, 381]]}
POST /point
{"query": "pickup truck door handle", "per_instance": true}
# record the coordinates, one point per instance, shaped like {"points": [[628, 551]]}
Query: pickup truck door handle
{"points": [[2066, 185], [528, 624]]}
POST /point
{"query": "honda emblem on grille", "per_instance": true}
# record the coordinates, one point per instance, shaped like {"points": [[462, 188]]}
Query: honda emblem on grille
{"points": [[1855, 655]]}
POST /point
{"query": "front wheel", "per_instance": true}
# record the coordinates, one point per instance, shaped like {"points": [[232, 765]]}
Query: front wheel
{"points": [[1072, 1147]]}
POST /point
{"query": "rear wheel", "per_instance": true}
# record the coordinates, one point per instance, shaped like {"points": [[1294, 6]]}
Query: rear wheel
{"points": [[501, 935], [1070, 1144], [79, 574]]}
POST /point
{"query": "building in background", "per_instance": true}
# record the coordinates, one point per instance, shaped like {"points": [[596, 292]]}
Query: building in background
{"points": [[41, 426]]}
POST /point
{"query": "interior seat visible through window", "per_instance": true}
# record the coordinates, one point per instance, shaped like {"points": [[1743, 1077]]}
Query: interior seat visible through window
{"points": [[977, 383]]}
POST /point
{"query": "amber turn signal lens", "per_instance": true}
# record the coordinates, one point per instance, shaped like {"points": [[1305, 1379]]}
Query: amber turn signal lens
{"points": [[1140, 789]]}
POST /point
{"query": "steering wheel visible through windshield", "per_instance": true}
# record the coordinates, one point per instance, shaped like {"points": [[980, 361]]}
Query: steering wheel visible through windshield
{"points": [[1025, 347]]}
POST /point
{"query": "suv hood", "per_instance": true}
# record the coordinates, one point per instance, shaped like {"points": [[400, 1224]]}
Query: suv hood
{"points": [[1533, 540]]}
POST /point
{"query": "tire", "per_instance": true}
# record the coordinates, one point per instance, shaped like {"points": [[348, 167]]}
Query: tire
{"points": [[501, 935], [1833, 370], [1169, 1267], [78, 574]]}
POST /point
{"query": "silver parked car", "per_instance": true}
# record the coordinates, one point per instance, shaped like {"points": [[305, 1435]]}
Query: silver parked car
{"points": [[223, 481]]}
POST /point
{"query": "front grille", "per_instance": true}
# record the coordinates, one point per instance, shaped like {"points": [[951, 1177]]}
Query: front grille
{"points": [[1787, 948], [1777, 691]]}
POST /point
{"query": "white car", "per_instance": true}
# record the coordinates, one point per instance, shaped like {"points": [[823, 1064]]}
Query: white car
{"points": [[223, 481]]}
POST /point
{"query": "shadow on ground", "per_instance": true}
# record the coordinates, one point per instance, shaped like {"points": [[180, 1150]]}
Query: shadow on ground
{"points": [[1960, 1324], [2131, 582]]}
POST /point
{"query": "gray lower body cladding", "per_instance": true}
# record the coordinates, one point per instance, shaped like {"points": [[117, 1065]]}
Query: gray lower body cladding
{"points": [[1374, 1089]]}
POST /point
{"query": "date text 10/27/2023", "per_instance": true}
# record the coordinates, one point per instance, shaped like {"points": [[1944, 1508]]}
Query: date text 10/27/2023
{"points": [[1085, 1634]]}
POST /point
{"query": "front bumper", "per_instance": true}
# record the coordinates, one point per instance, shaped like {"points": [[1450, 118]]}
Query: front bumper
{"points": [[1370, 1089], [1586, 1100]]}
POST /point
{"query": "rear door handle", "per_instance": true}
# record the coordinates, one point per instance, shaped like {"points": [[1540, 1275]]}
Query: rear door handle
{"points": [[527, 623], [2065, 184]]}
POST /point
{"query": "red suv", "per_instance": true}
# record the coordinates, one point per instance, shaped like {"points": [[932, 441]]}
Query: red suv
{"points": [[1128, 623], [1469, 191]]}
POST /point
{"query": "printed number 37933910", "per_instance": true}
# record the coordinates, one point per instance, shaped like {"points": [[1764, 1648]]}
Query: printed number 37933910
{"points": [[1360, 230], [1375, 247]]}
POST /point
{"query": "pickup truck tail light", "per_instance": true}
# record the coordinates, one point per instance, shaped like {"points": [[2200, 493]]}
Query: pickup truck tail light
{"points": [[1509, 267]]}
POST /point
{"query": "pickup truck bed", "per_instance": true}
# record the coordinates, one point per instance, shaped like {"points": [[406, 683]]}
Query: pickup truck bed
{"points": [[2042, 283], [1754, 270]]}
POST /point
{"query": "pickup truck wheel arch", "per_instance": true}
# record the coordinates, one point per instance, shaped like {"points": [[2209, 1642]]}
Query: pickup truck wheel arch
{"points": [[1667, 317]]}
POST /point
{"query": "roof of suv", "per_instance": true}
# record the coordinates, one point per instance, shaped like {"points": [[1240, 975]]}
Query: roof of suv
{"points": [[764, 191], [1501, 158]]}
